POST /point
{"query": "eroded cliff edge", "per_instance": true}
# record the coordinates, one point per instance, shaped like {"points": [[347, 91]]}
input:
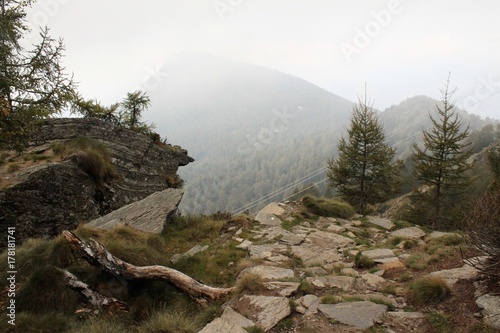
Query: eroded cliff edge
{"points": [[45, 197]]}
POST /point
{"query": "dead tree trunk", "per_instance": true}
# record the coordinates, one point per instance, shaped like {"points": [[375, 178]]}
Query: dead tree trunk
{"points": [[93, 297], [97, 255]]}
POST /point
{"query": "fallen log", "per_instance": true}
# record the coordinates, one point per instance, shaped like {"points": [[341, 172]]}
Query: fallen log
{"points": [[97, 255], [93, 297]]}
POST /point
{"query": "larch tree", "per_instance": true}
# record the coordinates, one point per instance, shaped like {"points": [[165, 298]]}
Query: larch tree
{"points": [[364, 171], [33, 83], [442, 161], [134, 104]]}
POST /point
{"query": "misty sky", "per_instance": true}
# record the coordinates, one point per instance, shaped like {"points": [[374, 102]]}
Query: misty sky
{"points": [[399, 48]]}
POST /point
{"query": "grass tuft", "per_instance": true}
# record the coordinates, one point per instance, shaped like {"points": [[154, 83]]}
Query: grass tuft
{"points": [[429, 290], [170, 321], [328, 207]]}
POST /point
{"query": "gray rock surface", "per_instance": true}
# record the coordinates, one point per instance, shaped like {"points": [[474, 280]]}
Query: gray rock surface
{"points": [[490, 308], [362, 315], [410, 233], [451, 276], [379, 254], [149, 214], [269, 214], [268, 310], [268, 272], [381, 222]]}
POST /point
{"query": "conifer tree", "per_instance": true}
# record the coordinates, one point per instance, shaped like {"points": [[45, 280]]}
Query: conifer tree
{"points": [[442, 161], [364, 172], [33, 83]]}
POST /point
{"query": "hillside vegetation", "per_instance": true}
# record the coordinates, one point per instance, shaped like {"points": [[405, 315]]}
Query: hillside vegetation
{"points": [[257, 134]]}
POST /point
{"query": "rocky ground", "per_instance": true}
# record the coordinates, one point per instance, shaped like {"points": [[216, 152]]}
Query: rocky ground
{"points": [[302, 276]]}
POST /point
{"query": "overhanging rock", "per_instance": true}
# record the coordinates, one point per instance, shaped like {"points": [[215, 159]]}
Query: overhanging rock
{"points": [[148, 214]]}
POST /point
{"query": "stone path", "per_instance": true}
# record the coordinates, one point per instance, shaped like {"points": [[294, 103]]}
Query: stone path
{"points": [[307, 270]]}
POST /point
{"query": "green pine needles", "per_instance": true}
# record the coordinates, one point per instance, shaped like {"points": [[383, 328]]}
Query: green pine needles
{"points": [[365, 171]]}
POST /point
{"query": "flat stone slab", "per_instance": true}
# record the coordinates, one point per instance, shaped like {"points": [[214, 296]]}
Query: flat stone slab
{"points": [[328, 240], [410, 233], [292, 239], [490, 308], [265, 311], [451, 276], [379, 254], [336, 229], [314, 255], [342, 282], [268, 272], [383, 223], [361, 315], [194, 250], [266, 250], [439, 234], [269, 214], [234, 317], [219, 325], [149, 214]]}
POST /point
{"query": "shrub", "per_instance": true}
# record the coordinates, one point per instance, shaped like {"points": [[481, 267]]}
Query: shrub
{"points": [[328, 207], [429, 289]]}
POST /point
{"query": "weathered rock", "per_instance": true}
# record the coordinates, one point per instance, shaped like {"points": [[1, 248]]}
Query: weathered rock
{"points": [[490, 308], [328, 240], [266, 250], [342, 282], [292, 239], [220, 325], [381, 222], [230, 321], [379, 254], [410, 233], [314, 255], [269, 214], [244, 244], [310, 304], [451, 276], [439, 234], [57, 196], [350, 272], [265, 311], [284, 289], [236, 318], [361, 315], [373, 280], [405, 315], [316, 271], [336, 229], [149, 214], [268, 272]]}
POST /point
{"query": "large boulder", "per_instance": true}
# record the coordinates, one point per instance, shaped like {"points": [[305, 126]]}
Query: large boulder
{"points": [[148, 214]]}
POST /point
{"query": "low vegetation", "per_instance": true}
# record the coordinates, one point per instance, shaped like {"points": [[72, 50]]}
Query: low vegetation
{"points": [[429, 290], [328, 207]]}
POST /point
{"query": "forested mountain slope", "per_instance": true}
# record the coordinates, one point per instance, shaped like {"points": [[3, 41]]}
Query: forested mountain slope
{"points": [[257, 134]]}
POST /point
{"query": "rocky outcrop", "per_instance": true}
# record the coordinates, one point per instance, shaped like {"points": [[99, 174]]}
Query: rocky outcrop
{"points": [[51, 197]]}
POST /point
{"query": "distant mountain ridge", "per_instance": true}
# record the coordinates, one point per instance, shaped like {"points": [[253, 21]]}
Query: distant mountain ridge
{"points": [[258, 134]]}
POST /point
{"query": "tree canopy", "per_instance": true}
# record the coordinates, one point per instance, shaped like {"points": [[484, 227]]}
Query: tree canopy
{"points": [[33, 82], [364, 172], [442, 161]]}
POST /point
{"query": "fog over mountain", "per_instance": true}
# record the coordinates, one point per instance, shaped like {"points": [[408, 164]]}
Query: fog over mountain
{"points": [[258, 134]]}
